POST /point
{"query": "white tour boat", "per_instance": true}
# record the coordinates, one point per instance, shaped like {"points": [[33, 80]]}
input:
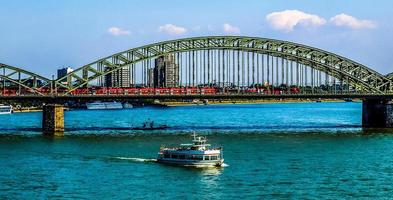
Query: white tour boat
{"points": [[97, 105], [197, 154], [5, 109]]}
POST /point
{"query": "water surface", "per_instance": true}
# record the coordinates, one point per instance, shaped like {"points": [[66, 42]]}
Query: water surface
{"points": [[294, 150]]}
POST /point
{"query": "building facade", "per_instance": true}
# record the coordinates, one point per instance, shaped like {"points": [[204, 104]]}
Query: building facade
{"points": [[166, 72], [63, 72], [150, 77], [119, 78]]}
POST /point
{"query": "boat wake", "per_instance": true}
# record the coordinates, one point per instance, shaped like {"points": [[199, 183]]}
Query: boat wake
{"points": [[149, 160], [137, 159], [224, 165]]}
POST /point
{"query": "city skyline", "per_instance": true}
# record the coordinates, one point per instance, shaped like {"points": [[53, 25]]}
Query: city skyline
{"points": [[46, 35]]}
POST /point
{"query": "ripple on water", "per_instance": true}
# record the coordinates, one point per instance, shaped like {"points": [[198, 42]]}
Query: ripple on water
{"points": [[271, 151]]}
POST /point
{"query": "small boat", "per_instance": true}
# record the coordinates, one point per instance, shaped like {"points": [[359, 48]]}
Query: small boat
{"points": [[98, 105], [149, 126], [6, 109], [161, 127], [198, 154], [127, 106]]}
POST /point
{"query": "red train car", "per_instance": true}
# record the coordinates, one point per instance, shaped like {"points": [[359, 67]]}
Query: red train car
{"points": [[157, 91]]}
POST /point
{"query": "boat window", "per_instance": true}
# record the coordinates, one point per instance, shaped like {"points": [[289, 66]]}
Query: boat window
{"points": [[166, 155], [197, 157], [182, 156], [207, 157], [213, 157], [174, 156]]}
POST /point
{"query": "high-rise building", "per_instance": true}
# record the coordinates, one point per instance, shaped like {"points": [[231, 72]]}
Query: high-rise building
{"points": [[63, 72], [150, 77], [166, 72], [118, 78]]}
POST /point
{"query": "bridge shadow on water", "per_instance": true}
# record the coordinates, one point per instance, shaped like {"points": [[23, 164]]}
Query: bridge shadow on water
{"points": [[204, 130]]}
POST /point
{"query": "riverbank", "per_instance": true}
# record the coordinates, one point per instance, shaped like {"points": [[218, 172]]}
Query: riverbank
{"points": [[205, 102], [263, 101], [30, 110], [27, 110]]}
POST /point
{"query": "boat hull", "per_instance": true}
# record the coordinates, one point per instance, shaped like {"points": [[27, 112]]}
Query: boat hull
{"points": [[192, 163], [5, 110], [150, 129], [104, 106]]}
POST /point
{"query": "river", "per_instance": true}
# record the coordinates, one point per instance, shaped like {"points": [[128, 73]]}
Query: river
{"points": [[283, 150]]}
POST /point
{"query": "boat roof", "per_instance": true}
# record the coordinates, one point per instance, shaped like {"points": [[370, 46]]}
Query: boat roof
{"points": [[186, 144], [197, 145]]}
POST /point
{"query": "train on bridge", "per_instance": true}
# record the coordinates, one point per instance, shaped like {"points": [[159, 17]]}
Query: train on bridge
{"points": [[158, 91]]}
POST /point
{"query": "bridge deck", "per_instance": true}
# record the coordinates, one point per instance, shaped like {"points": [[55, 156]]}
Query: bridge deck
{"points": [[191, 97]]}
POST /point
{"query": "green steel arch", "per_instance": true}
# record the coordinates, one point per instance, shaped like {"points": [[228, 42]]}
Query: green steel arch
{"points": [[390, 76], [357, 75], [23, 78]]}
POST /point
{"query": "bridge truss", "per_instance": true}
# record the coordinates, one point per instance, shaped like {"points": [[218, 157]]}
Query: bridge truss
{"points": [[230, 63], [21, 81], [239, 62], [390, 76]]}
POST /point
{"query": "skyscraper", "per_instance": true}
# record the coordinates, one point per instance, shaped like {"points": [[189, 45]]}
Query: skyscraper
{"points": [[166, 72], [118, 78], [63, 72], [150, 77]]}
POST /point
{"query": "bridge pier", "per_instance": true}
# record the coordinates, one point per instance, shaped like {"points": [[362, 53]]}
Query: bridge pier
{"points": [[377, 113], [53, 120]]}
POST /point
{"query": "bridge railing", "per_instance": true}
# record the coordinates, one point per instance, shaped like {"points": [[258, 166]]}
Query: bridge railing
{"points": [[266, 90]]}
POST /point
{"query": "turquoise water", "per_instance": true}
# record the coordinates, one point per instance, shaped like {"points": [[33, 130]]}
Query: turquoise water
{"points": [[294, 150]]}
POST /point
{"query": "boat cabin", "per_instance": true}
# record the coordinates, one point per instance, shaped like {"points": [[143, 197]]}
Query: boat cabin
{"points": [[178, 156]]}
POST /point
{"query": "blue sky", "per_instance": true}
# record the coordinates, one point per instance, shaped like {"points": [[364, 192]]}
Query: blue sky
{"points": [[44, 35]]}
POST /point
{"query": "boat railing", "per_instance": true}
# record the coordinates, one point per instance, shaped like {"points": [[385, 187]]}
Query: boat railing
{"points": [[184, 148]]}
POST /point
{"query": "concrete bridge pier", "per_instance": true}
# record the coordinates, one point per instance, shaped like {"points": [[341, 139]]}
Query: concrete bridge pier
{"points": [[377, 113], [53, 120]]}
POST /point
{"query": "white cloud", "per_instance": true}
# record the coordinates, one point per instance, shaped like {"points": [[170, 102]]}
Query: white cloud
{"points": [[288, 19], [116, 31], [352, 22], [231, 29], [172, 29]]}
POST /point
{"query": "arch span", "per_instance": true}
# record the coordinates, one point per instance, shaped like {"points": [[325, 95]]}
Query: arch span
{"points": [[22, 79], [390, 76], [357, 75]]}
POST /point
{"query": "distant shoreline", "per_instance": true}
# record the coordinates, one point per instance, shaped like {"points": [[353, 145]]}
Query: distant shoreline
{"points": [[201, 103], [27, 110], [175, 104]]}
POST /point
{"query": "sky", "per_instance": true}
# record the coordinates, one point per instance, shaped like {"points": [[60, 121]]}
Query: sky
{"points": [[44, 35]]}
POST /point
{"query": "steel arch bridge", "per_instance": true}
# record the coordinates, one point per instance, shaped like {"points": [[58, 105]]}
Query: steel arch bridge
{"points": [[225, 62]]}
